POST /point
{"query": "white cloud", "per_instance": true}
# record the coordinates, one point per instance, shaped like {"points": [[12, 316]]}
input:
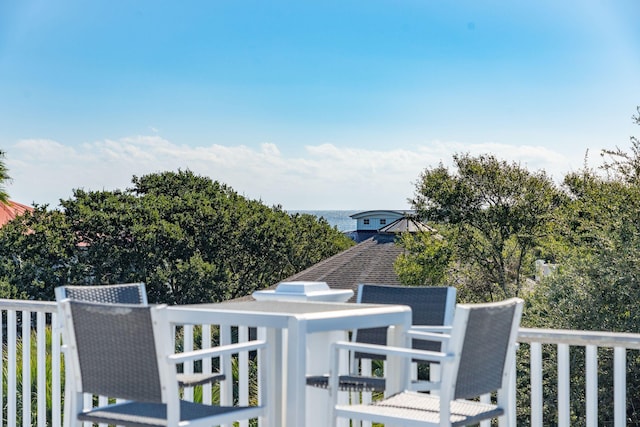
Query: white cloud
{"points": [[325, 177]]}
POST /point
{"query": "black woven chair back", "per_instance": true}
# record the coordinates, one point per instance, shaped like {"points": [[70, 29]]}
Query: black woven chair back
{"points": [[428, 305], [484, 351], [116, 350], [128, 293]]}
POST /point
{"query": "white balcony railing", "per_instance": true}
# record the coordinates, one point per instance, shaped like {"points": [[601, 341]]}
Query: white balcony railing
{"points": [[31, 355], [591, 342]]}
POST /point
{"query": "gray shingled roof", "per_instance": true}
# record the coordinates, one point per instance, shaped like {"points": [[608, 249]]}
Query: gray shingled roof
{"points": [[370, 261]]}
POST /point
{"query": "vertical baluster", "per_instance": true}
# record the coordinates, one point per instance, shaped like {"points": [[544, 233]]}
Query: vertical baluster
{"points": [[87, 401], [591, 356], [485, 398], [620, 386], [206, 364], [536, 384], [188, 366], [226, 387], [42, 372], [263, 377], [367, 369], [26, 368], [243, 372], [563, 386], [56, 370], [2, 365], [11, 368], [103, 401]]}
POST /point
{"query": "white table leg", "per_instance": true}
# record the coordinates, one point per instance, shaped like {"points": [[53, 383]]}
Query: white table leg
{"points": [[296, 370], [274, 374], [318, 400]]}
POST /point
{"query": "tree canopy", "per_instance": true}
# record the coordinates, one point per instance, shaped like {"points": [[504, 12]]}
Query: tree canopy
{"points": [[190, 239], [495, 213]]}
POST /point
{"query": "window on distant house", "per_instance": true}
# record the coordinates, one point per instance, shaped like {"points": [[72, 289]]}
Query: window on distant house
{"points": [[366, 222], [383, 221]]}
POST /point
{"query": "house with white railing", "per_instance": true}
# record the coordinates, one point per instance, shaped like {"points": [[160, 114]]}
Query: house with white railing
{"points": [[32, 360]]}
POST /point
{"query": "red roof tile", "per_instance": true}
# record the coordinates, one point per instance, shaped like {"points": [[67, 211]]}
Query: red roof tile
{"points": [[11, 210]]}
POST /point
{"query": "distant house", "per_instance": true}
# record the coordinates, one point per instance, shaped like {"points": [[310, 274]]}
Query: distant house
{"points": [[368, 223], [11, 210]]}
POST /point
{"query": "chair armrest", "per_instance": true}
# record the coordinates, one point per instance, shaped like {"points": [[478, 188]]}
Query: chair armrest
{"points": [[217, 351], [428, 356], [425, 335], [431, 328], [409, 353]]}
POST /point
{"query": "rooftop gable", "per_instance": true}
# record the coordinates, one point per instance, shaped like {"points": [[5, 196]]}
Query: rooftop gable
{"points": [[11, 210]]}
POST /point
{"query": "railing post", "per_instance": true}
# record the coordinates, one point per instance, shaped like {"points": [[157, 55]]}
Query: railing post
{"points": [[226, 386], [563, 386], [620, 386], [591, 356], [513, 395], [536, 384], [1, 367], [41, 377], [56, 372], [26, 368], [243, 372], [206, 365], [187, 367], [11, 368]]}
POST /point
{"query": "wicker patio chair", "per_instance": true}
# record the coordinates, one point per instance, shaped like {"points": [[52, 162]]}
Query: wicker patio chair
{"points": [[476, 360], [129, 293], [432, 311], [124, 351]]}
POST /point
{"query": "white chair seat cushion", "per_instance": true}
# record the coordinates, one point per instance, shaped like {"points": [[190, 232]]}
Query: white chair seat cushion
{"points": [[154, 414], [423, 408]]}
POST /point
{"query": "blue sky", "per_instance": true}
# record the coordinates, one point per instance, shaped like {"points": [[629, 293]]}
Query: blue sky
{"points": [[310, 105]]}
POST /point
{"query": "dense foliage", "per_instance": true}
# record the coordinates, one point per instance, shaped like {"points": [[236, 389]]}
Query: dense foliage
{"points": [[597, 284], [494, 214], [188, 238], [497, 218]]}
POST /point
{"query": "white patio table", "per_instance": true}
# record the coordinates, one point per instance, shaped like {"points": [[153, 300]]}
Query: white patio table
{"points": [[287, 325]]}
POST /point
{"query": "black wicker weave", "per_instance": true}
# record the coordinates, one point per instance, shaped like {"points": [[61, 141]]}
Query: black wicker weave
{"points": [[125, 293]]}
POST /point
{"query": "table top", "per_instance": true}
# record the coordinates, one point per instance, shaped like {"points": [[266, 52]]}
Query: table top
{"points": [[289, 308], [278, 313]]}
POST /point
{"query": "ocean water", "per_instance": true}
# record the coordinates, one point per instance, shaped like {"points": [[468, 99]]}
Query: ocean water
{"points": [[339, 219]]}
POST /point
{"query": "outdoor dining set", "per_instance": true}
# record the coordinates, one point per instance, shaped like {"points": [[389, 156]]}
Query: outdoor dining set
{"points": [[309, 355]]}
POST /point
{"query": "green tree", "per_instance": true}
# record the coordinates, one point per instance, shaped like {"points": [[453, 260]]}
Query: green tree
{"points": [[426, 259], [596, 287], [38, 252], [190, 239], [597, 284], [4, 177], [497, 212]]}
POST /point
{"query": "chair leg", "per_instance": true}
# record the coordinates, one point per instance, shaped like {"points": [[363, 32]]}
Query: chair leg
{"points": [[68, 411], [72, 408]]}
